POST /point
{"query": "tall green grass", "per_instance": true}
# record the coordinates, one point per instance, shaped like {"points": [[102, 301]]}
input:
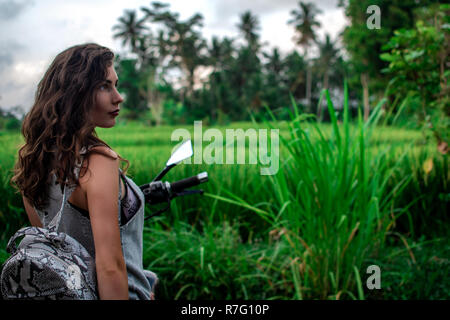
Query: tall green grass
{"points": [[307, 232], [330, 203]]}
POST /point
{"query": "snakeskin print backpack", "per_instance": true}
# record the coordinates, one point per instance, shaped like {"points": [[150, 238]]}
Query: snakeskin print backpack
{"points": [[48, 264]]}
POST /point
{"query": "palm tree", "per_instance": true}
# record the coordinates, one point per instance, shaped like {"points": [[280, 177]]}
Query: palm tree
{"points": [[220, 58], [190, 51], [275, 62], [248, 77], [249, 26], [327, 58], [184, 43], [295, 65], [304, 23], [130, 29], [275, 79], [220, 53]]}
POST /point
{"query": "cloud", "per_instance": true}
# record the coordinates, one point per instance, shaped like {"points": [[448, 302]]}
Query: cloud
{"points": [[273, 16], [10, 9], [230, 7], [8, 49], [6, 59], [17, 80], [33, 32], [226, 11]]}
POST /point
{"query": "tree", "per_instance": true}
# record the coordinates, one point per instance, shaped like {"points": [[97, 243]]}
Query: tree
{"points": [[176, 45], [247, 69], [276, 94], [327, 59], [141, 85], [130, 29], [295, 76], [416, 63], [11, 119], [184, 42], [364, 44], [305, 24], [249, 26], [129, 84], [220, 58]]}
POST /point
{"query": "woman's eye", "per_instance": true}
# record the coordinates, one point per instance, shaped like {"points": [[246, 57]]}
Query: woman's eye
{"points": [[104, 87]]}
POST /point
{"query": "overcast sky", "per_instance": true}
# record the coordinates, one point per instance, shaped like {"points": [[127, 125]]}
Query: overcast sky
{"points": [[33, 32]]}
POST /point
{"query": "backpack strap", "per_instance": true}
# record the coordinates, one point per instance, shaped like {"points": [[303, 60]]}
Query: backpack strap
{"points": [[67, 192], [55, 237], [54, 224]]}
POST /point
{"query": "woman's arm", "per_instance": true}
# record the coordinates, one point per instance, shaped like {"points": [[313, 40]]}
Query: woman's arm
{"points": [[101, 184]]}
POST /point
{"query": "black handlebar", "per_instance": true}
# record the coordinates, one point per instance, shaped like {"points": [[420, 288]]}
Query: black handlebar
{"points": [[180, 185], [158, 191]]}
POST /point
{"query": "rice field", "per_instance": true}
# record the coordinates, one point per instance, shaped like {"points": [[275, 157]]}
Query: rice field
{"points": [[347, 195]]}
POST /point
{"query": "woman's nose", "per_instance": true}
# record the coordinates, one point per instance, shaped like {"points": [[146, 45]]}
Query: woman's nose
{"points": [[117, 97]]}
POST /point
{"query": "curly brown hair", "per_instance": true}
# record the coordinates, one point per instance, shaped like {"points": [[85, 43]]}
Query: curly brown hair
{"points": [[58, 124]]}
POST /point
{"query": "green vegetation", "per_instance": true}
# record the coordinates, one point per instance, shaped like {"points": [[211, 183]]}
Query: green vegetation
{"points": [[363, 182], [345, 197]]}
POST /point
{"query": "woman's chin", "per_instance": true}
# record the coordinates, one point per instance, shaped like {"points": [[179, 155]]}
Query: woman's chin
{"points": [[107, 124]]}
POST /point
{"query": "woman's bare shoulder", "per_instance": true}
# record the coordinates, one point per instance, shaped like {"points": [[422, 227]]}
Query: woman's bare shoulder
{"points": [[103, 150], [102, 160]]}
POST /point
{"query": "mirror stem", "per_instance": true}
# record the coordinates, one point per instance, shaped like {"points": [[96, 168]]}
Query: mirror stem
{"points": [[163, 172]]}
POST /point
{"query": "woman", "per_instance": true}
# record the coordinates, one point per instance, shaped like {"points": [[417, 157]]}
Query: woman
{"points": [[105, 211]]}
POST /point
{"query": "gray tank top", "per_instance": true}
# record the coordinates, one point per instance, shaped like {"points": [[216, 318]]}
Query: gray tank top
{"points": [[78, 226]]}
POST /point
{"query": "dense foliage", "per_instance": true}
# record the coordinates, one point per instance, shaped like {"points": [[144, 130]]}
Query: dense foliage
{"points": [[359, 181], [174, 75]]}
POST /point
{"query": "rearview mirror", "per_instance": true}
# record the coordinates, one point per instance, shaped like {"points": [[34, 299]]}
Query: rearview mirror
{"points": [[183, 152]]}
